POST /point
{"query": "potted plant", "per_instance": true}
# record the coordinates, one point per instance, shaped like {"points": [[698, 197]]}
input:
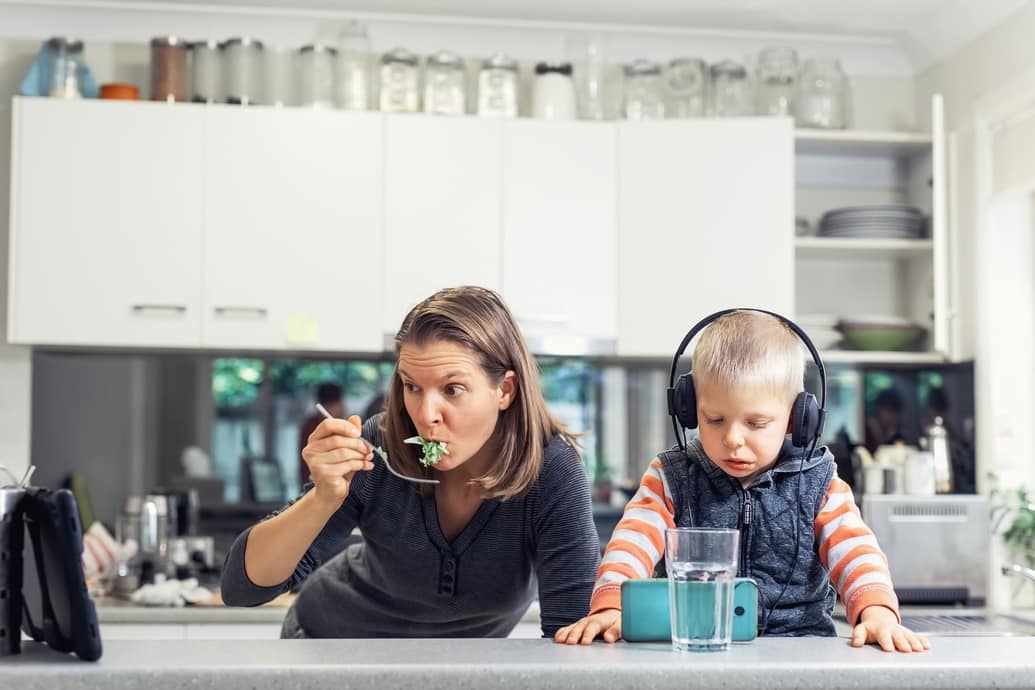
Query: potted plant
{"points": [[1013, 516]]}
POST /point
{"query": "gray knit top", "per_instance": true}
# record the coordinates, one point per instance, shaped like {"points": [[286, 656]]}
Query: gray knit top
{"points": [[406, 580]]}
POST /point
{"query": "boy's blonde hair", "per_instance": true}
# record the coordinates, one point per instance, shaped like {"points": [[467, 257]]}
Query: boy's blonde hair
{"points": [[749, 350]]}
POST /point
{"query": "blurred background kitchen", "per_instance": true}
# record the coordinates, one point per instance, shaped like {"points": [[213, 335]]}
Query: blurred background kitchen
{"points": [[856, 139]]}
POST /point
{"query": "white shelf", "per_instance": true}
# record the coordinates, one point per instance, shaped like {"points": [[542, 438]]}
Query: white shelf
{"points": [[880, 357], [861, 143], [858, 247]]}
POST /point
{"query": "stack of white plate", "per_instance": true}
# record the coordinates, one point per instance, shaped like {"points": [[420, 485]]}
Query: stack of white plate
{"points": [[876, 221], [821, 329]]}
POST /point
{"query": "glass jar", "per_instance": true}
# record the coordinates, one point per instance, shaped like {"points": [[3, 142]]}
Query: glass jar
{"points": [[168, 69], [353, 76], [65, 67], [399, 82], [823, 96], [643, 98], [444, 84], [686, 81], [242, 62], [587, 52], [731, 90], [497, 87], [553, 94], [316, 75], [206, 71], [777, 81]]}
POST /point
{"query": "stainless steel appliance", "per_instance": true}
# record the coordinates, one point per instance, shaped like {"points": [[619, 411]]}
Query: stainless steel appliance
{"points": [[937, 546]]}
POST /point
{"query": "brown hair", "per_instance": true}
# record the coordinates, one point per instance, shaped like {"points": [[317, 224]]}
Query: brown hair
{"points": [[477, 319]]}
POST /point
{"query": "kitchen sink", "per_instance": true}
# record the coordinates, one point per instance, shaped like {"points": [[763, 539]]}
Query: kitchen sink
{"points": [[963, 624]]}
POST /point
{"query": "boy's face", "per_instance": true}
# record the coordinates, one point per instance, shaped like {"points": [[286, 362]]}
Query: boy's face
{"points": [[742, 431]]}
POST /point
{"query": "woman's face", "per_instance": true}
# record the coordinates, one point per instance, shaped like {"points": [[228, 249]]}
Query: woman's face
{"points": [[450, 398]]}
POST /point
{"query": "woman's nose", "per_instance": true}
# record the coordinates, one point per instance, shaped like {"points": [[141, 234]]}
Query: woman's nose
{"points": [[428, 413]]}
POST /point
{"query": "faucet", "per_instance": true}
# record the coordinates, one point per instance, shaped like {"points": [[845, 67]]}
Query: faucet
{"points": [[1017, 569]]}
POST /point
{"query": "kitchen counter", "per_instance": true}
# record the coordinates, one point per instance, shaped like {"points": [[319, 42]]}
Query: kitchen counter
{"points": [[954, 662], [111, 610]]}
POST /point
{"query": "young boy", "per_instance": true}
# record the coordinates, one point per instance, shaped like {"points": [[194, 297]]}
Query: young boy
{"points": [[742, 472]]}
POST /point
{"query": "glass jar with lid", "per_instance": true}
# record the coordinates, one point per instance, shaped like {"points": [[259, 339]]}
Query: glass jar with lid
{"points": [[823, 96], [242, 62], [400, 77], [777, 81], [643, 97], [445, 89], [731, 90], [168, 69], [497, 87], [686, 81], [316, 75], [206, 71]]}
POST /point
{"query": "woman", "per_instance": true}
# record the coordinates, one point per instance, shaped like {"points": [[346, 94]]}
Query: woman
{"points": [[461, 558]]}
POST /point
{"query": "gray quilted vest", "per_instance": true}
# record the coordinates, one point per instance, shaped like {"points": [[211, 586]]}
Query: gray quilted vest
{"points": [[765, 512]]}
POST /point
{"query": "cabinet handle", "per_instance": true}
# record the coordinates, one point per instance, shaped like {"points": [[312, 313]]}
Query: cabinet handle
{"points": [[173, 309], [244, 312]]}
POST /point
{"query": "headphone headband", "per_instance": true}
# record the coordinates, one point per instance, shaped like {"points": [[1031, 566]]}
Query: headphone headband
{"points": [[700, 325]]}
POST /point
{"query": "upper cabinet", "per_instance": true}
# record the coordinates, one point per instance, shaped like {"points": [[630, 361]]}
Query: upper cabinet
{"points": [[106, 223], [442, 208], [705, 222], [293, 244], [560, 263]]}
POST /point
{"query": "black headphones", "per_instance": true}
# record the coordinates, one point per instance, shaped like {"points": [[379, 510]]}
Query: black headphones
{"points": [[807, 415]]}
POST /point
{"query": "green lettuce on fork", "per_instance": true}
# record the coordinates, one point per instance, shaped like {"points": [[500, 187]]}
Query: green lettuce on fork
{"points": [[432, 450]]}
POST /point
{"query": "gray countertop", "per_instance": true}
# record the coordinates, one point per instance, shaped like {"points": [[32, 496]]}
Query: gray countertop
{"points": [[111, 610], [772, 663]]}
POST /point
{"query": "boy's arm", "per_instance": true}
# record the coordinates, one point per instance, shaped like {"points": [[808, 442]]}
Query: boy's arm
{"points": [[849, 550], [638, 542]]}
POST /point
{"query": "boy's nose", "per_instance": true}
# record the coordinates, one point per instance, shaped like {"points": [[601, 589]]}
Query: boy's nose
{"points": [[733, 438]]}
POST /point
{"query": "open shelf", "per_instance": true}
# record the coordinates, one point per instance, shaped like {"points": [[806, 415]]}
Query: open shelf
{"points": [[858, 247], [861, 143]]}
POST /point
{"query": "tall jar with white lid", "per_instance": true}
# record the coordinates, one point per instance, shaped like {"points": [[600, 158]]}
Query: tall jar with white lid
{"points": [[497, 87], [242, 63], [445, 89], [400, 82], [553, 94]]}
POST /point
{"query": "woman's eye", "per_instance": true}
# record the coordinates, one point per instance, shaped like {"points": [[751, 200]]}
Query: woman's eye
{"points": [[409, 387], [454, 390]]}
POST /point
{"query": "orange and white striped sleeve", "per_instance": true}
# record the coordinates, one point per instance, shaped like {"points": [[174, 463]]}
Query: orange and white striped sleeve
{"points": [[849, 550], [638, 542]]}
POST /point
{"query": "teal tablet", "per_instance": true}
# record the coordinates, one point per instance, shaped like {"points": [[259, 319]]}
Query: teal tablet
{"points": [[645, 610]]}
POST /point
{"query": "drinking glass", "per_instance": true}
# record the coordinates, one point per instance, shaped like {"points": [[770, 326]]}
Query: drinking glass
{"points": [[701, 565]]}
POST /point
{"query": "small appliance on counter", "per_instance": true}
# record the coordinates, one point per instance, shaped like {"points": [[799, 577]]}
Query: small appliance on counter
{"points": [[41, 573], [937, 546]]}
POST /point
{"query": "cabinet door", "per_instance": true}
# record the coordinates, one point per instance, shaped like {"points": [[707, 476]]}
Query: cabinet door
{"points": [[705, 222], [560, 233], [293, 243], [105, 223], [442, 208]]}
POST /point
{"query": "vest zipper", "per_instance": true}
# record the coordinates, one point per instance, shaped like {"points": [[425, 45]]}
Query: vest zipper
{"points": [[745, 524]]}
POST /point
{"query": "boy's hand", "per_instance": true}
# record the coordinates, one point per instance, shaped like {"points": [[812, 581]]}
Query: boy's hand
{"points": [[878, 624], [606, 624]]}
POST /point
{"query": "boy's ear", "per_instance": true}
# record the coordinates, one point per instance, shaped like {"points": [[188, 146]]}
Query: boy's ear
{"points": [[507, 390]]}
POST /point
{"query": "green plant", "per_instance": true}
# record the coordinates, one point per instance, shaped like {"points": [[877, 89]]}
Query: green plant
{"points": [[1015, 509]]}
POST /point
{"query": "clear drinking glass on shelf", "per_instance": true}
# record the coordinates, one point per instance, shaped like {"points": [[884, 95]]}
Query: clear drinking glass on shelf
{"points": [[353, 73], [777, 81], [643, 97], [400, 76], [701, 564], [731, 94], [823, 95], [445, 88], [686, 82]]}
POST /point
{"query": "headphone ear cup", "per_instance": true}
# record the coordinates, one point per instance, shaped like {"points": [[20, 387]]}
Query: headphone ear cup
{"points": [[804, 424], [686, 401]]}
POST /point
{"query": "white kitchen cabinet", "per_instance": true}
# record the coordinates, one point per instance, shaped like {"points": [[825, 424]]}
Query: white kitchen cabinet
{"points": [[293, 221], [705, 215], [106, 222], [442, 208], [846, 277], [560, 241]]}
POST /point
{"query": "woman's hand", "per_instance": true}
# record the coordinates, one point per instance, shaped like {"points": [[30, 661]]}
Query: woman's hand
{"points": [[333, 454], [606, 624], [878, 624]]}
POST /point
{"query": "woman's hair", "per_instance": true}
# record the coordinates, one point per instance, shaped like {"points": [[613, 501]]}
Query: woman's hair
{"points": [[478, 320], [749, 350]]}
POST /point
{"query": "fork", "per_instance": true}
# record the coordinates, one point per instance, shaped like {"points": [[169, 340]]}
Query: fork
{"points": [[381, 453]]}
